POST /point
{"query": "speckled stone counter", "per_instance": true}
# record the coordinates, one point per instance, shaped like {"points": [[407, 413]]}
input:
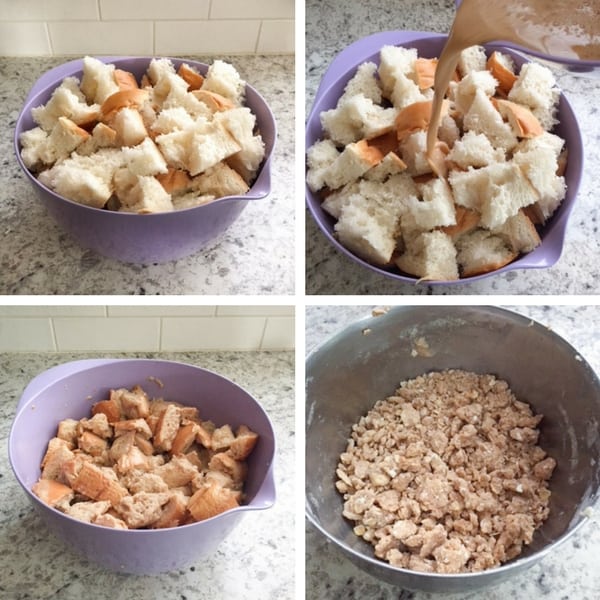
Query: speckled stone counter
{"points": [[255, 256], [330, 27], [569, 572], [255, 561]]}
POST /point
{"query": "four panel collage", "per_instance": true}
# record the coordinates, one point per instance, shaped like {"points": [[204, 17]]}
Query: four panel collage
{"points": [[299, 300]]}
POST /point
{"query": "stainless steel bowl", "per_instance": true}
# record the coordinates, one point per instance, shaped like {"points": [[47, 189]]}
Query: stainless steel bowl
{"points": [[366, 362]]}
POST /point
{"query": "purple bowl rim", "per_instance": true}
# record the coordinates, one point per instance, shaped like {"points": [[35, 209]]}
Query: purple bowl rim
{"points": [[78, 65], [268, 478], [558, 219]]}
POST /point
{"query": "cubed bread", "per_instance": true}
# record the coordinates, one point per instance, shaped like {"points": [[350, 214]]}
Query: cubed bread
{"points": [[219, 180], [33, 147], [135, 98], [175, 181], [240, 123], [159, 67], [85, 179], [145, 158], [64, 102], [210, 143], [394, 61], [214, 102], [539, 166], [355, 160], [191, 76], [502, 67], [172, 119], [413, 151], [210, 501], [431, 256], [371, 214], [519, 233], [465, 90], [223, 79], [53, 493], [363, 82], [482, 117], [98, 81], [471, 59], [390, 164], [175, 147], [129, 126], [102, 136], [481, 251], [147, 196], [357, 118], [318, 159], [435, 208], [169, 91], [523, 122], [536, 88], [474, 150]]}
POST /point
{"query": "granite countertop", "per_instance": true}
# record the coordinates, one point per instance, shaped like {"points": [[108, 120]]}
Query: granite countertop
{"points": [[330, 27], [255, 561], [568, 572], [255, 256]]}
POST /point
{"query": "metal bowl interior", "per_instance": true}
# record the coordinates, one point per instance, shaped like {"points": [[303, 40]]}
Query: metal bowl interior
{"points": [[430, 46], [68, 392], [349, 373], [153, 238]]}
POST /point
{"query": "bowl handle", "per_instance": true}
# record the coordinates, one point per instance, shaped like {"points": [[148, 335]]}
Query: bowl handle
{"points": [[37, 384]]}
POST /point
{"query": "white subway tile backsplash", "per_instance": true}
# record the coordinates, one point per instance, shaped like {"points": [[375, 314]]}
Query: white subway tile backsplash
{"points": [[26, 335], [107, 37], [47, 10], [46, 27], [145, 328], [275, 37], [279, 334], [24, 39], [52, 311], [154, 9], [206, 37], [252, 9], [107, 334], [223, 333], [161, 311], [255, 311]]}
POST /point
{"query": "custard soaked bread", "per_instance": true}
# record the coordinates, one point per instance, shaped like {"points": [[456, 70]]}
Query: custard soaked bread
{"points": [[139, 462]]}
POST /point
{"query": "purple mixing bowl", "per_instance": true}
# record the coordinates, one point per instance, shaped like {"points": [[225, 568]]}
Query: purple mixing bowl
{"points": [[588, 68], [429, 45], [153, 238], [69, 391]]}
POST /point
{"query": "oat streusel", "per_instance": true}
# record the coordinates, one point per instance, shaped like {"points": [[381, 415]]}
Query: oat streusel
{"points": [[446, 475]]}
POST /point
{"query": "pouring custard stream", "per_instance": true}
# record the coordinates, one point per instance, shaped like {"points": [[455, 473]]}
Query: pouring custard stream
{"points": [[565, 29]]}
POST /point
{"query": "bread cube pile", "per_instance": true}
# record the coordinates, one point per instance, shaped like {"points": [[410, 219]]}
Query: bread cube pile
{"points": [[174, 140], [476, 204], [144, 463]]}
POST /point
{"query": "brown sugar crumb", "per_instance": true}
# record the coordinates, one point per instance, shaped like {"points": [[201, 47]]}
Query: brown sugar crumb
{"points": [[445, 476]]}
